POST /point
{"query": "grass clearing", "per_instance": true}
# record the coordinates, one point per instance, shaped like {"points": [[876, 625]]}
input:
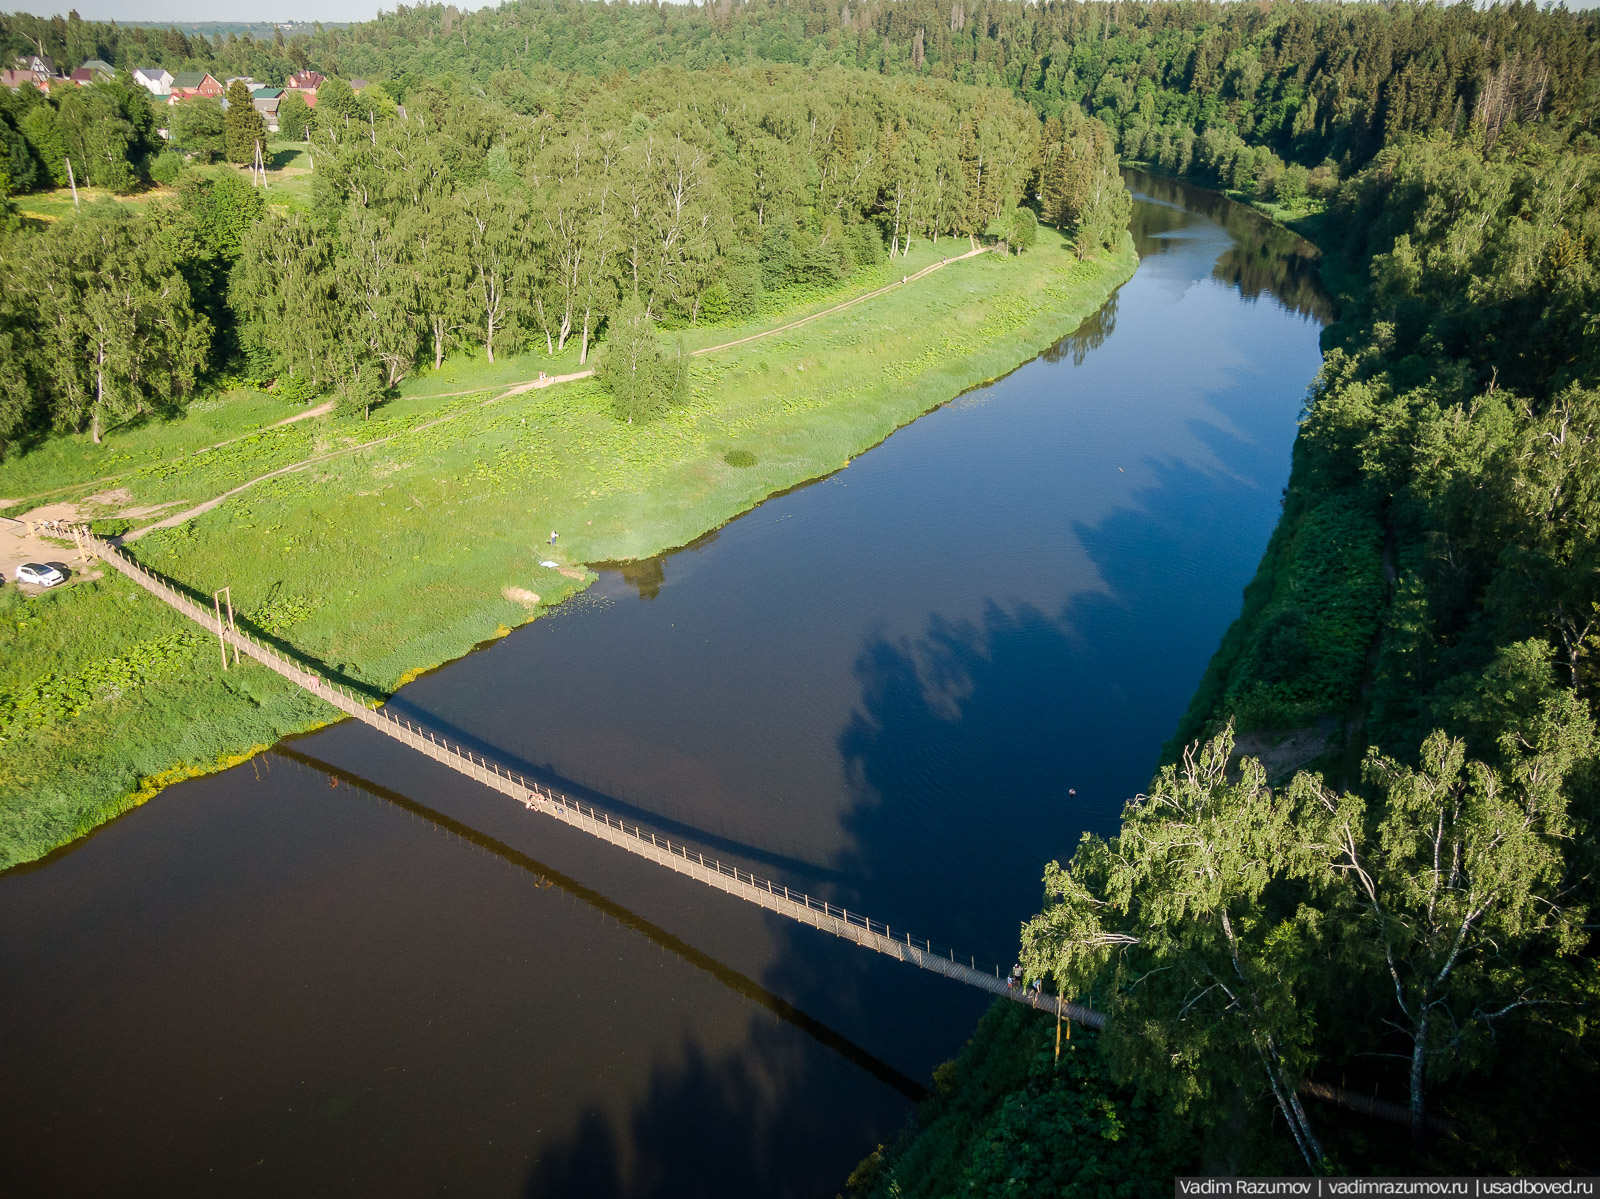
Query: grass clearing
{"points": [[390, 560], [288, 185]]}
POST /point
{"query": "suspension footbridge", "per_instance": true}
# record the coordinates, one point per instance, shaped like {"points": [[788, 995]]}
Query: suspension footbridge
{"points": [[633, 838]]}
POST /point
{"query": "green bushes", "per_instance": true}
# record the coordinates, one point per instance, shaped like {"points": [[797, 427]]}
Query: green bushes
{"points": [[1009, 1120], [165, 167], [640, 375], [52, 698], [1312, 638]]}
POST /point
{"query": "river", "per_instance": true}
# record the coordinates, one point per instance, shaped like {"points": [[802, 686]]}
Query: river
{"points": [[342, 969]]}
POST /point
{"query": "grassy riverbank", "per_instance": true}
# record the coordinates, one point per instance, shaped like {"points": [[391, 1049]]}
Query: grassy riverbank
{"points": [[384, 561]]}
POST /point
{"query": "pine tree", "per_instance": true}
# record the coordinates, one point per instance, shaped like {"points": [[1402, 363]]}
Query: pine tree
{"points": [[243, 127]]}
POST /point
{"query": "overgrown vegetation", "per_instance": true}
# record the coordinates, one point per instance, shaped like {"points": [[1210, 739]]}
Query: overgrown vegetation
{"points": [[1010, 1118]]}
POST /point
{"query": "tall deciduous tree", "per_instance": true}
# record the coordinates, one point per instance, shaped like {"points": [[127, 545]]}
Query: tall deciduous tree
{"points": [[493, 228], [196, 126], [1460, 881], [294, 117], [108, 130], [375, 287], [285, 293], [123, 337], [1170, 924], [41, 128], [439, 266]]}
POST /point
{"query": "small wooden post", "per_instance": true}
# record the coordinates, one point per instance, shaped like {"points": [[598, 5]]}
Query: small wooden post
{"points": [[1061, 1002], [222, 642]]}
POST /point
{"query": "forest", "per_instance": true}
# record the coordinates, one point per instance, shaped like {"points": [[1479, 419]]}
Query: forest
{"points": [[487, 220], [1410, 914], [1235, 93]]}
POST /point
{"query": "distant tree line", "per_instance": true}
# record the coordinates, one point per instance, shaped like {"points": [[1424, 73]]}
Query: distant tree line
{"points": [[1257, 97]]}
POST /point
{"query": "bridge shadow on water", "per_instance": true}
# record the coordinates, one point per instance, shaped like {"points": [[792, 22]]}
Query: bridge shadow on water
{"points": [[707, 1104], [548, 876]]}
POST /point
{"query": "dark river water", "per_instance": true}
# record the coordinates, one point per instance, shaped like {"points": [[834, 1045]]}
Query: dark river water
{"points": [[342, 969]]}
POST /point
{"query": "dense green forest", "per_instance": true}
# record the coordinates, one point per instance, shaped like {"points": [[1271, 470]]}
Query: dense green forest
{"points": [[520, 214], [1415, 919], [1238, 93]]}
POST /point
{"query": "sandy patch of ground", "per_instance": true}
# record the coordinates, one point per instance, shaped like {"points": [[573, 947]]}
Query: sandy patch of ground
{"points": [[521, 595], [19, 543], [118, 502]]}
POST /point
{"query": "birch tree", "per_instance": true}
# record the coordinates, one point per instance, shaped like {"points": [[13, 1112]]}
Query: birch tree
{"points": [[1459, 882], [116, 315], [284, 292], [1171, 925], [439, 272], [496, 253], [375, 287]]}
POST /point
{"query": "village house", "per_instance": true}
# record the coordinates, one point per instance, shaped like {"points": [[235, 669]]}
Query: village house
{"points": [[32, 69], [93, 71], [266, 100], [194, 83], [155, 80], [306, 83], [40, 66]]}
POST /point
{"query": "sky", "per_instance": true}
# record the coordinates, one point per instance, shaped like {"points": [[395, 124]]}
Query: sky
{"points": [[211, 10], [258, 10]]}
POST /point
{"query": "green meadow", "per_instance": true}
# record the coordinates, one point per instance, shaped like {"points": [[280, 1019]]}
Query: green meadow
{"points": [[414, 538], [288, 185]]}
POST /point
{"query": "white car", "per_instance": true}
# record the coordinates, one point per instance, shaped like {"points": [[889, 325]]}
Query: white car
{"points": [[39, 574]]}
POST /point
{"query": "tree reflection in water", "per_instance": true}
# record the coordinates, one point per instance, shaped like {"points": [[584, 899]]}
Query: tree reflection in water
{"points": [[1265, 258]]}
